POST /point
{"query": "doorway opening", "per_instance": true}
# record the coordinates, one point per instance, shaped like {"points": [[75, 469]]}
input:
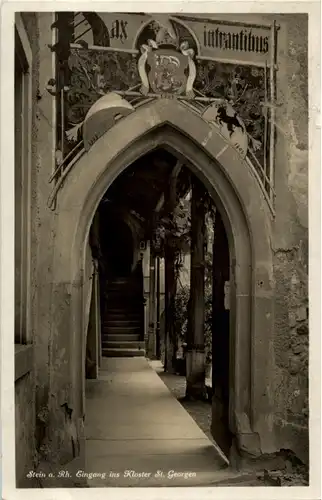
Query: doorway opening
{"points": [[164, 274]]}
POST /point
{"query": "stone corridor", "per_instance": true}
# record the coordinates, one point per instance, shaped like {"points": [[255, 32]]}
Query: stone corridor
{"points": [[138, 434]]}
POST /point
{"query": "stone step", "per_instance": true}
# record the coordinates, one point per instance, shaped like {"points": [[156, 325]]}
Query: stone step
{"points": [[125, 328], [129, 344], [121, 331], [106, 335], [121, 313], [123, 295], [121, 337], [125, 316], [122, 308], [123, 287], [121, 322], [121, 281], [125, 311], [129, 287], [121, 352], [131, 330]]}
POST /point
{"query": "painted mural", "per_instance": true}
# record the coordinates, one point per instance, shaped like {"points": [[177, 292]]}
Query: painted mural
{"points": [[221, 68]]}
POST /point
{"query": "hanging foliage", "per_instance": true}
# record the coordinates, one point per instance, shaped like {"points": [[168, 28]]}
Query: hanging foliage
{"points": [[173, 230]]}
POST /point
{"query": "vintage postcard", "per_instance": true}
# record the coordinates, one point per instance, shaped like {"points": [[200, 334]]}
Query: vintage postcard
{"points": [[160, 329]]}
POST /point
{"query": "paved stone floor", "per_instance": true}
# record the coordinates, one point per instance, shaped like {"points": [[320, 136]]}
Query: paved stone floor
{"points": [[200, 411], [138, 434]]}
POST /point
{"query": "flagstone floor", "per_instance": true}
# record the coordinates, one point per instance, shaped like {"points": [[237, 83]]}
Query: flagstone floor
{"points": [[138, 434]]}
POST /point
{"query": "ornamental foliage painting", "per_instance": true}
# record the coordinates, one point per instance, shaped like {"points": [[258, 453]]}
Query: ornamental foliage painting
{"points": [[243, 86], [90, 73], [93, 74]]}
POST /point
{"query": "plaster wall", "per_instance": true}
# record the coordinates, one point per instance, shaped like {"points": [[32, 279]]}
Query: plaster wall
{"points": [[24, 432], [43, 249], [52, 430], [290, 240], [24, 386]]}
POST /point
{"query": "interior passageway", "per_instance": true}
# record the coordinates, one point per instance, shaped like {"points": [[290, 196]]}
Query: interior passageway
{"points": [[137, 432]]}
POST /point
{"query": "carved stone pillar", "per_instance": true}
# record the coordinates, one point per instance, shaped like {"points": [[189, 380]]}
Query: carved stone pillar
{"points": [[151, 347], [220, 338], [195, 357], [170, 278]]}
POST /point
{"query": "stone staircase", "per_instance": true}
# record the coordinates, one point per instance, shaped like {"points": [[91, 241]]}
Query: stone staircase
{"points": [[123, 326]]}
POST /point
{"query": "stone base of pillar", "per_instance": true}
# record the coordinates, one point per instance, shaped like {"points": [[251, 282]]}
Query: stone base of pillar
{"points": [[67, 475], [243, 457], [219, 426], [169, 363], [151, 344], [243, 446], [64, 473], [91, 368], [195, 375]]}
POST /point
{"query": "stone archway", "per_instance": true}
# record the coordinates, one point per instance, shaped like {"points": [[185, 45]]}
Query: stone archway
{"points": [[246, 218]]}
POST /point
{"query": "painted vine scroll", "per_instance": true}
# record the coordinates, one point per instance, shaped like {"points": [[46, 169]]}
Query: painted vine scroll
{"points": [[225, 69]]}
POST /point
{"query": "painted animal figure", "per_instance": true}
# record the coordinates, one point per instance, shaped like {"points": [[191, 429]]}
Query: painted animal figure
{"points": [[231, 121]]}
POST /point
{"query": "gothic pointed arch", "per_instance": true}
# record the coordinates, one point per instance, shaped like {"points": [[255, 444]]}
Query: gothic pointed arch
{"points": [[247, 220]]}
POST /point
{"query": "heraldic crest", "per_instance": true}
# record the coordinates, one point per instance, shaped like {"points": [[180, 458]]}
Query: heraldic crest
{"points": [[166, 63]]}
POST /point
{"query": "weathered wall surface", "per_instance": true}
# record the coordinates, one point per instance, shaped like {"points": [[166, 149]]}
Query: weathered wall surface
{"points": [[24, 416], [290, 239], [26, 456], [42, 237], [88, 286], [54, 432]]}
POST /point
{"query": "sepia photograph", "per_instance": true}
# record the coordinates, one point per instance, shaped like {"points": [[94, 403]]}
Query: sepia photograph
{"points": [[161, 249]]}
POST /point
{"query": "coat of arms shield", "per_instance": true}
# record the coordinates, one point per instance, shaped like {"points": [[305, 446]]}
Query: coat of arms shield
{"points": [[168, 71]]}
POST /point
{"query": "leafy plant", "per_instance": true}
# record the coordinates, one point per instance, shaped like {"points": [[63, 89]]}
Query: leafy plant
{"points": [[181, 312], [183, 292]]}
